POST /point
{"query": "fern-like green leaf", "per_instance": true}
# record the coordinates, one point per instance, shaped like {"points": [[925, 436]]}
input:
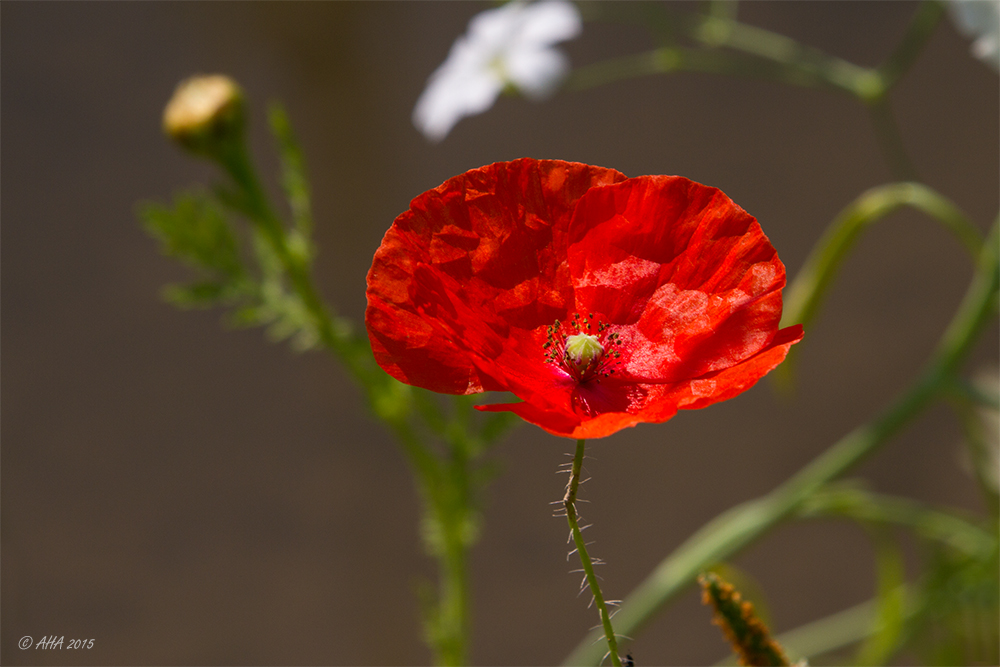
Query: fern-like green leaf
{"points": [[195, 230]]}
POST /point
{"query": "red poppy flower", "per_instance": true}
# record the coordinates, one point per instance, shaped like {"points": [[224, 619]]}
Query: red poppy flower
{"points": [[601, 301]]}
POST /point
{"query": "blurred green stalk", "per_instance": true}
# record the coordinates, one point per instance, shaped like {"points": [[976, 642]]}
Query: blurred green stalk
{"points": [[207, 117]]}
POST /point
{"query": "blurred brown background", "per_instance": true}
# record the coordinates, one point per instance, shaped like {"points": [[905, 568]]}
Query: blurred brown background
{"points": [[184, 494]]}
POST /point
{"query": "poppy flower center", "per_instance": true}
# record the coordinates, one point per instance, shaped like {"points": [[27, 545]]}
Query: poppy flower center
{"points": [[582, 350], [583, 355]]}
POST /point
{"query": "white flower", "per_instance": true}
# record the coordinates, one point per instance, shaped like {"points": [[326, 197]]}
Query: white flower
{"points": [[980, 21], [509, 45]]}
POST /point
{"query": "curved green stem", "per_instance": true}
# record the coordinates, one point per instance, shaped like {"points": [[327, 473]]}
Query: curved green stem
{"points": [[738, 527], [805, 294], [569, 501]]}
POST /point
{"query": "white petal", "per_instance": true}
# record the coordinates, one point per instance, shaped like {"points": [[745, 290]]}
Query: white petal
{"points": [[536, 73], [507, 44], [973, 17], [987, 49], [980, 20], [452, 94], [496, 27], [550, 22]]}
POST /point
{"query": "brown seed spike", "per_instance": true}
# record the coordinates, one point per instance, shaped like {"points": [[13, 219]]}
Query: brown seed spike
{"points": [[751, 640]]}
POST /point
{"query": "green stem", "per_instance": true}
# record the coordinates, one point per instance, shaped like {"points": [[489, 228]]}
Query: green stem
{"points": [[761, 53], [671, 59], [448, 624], [738, 527], [890, 140], [238, 165], [459, 531], [771, 55], [453, 617], [569, 501], [921, 27], [805, 294], [810, 66], [442, 484], [983, 397]]}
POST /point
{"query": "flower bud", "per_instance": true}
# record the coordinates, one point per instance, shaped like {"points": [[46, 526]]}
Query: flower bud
{"points": [[205, 115]]}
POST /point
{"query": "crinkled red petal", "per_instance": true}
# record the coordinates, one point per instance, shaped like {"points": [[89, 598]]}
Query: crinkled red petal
{"points": [[690, 270], [467, 282], [660, 402], [499, 232]]}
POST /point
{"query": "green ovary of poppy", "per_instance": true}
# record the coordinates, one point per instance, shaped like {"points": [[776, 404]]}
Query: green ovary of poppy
{"points": [[582, 350]]}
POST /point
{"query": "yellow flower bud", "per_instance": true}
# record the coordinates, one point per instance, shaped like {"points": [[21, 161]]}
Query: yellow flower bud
{"points": [[205, 115]]}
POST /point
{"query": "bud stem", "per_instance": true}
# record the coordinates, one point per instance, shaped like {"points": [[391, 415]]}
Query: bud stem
{"points": [[236, 162]]}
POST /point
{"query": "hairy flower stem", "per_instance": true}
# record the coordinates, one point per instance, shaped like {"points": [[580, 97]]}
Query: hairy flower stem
{"points": [[569, 501]]}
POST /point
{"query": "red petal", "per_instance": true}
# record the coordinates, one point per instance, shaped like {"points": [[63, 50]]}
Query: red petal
{"points": [[661, 401], [729, 382], [466, 282], [691, 269], [499, 231]]}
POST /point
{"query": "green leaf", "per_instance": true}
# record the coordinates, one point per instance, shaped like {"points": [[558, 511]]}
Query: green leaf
{"points": [[196, 231], [196, 295], [293, 171]]}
